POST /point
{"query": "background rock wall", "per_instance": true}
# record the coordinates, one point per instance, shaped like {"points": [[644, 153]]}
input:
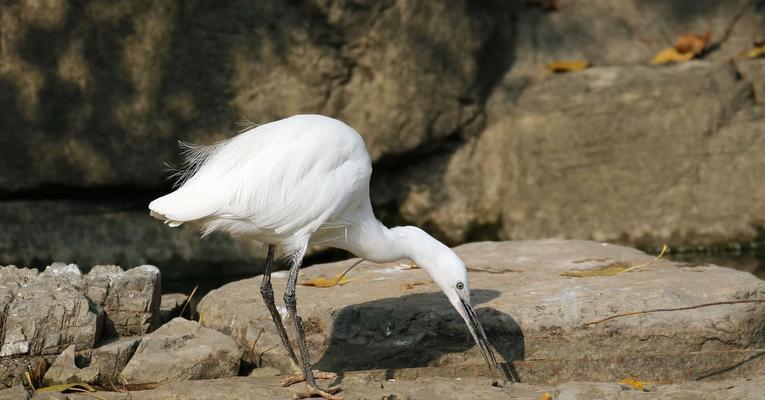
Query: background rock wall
{"points": [[472, 139]]}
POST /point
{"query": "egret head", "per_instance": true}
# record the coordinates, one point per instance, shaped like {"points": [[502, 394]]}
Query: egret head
{"points": [[450, 274]]}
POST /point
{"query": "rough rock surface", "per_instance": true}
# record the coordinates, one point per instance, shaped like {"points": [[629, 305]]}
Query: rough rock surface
{"points": [[44, 313], [118, 83], [130, 299], [171, 306], [66, 370], [108, 232], [607, 130], [101, 365], [395, 319], [427, 388], [182, 350], [438, 89]]}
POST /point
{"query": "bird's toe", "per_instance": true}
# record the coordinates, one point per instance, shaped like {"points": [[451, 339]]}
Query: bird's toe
{"points": [[328, 394], [293, 379]]}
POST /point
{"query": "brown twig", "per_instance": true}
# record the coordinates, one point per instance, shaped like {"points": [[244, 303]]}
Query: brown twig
{"points": [[717, 303], [664, 249], [347, 271], [188, 300]]}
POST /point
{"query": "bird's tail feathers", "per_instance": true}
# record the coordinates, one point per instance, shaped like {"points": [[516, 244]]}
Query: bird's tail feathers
{"points": [[180, 206]]}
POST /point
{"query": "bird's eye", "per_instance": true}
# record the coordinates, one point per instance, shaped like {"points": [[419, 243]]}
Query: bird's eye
{"points": [[460, 285]]}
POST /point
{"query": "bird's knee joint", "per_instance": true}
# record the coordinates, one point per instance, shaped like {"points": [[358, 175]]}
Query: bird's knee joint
{"points": [[290, 301]]}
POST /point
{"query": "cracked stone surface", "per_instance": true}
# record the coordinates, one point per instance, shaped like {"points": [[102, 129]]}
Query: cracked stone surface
{"points": [[130, 299], [597, 154], [427, 388], [182, 350], [393, 318], [445, 95], [45, 313]]}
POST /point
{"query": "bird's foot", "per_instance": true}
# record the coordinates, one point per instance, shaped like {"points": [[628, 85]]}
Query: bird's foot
{"points": [[314, 391], [293, 379]]}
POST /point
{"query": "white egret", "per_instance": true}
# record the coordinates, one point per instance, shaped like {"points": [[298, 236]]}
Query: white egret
{"points": [[298, 181]]}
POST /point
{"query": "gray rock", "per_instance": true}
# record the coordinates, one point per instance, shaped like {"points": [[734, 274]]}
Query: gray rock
{"points": [[171, 306], [182, 350], [395, 319], [43, 314], [15, 393], [100, 233], [101, 365], [632, 33], [65, 370], [121, 127], [130, 299], [607, 130], [753, 72], [364, 386]]}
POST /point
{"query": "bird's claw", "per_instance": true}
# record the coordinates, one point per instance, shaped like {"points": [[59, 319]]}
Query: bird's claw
{"points": [[328, 394], [293, 379]]}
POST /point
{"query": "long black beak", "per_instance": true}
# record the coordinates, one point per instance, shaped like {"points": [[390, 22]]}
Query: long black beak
{"points": [[480, 337]]}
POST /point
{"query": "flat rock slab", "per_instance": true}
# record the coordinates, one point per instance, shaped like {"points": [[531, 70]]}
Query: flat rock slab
{"points": [[392, 317], [428, 388], [182, 350]]}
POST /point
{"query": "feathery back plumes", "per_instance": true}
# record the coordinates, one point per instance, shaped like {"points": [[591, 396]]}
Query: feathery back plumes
{"points": [[194, 156]]}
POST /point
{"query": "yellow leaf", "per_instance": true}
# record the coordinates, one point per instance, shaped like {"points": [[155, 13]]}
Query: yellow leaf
{"points": [[670, 55], [633, 383], [79, 386], [755, 52], [407, 286], [322, 282], [545, 396], [607, 270], [567, 65]]}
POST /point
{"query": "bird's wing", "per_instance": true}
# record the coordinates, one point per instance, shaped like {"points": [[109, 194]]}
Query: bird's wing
{"points": [[285, 178]]}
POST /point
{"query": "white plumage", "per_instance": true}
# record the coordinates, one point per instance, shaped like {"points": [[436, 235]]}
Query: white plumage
{"points": [[280, 183], [300, 180]]}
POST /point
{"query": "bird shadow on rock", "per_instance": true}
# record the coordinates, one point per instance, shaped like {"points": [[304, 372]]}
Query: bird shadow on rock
{"points": [[413, 331]]}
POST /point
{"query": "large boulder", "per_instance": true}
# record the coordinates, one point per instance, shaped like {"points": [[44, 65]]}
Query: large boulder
{"points": [[103, 101], [539, 314], [182, 350], [599, 155]]}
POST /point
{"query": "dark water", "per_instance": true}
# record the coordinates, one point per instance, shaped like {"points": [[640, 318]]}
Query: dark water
{"points": [[750, 262]]}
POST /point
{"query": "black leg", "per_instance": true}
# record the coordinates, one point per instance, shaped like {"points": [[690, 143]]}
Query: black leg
{"points": [[291, 302], [268, 297]]}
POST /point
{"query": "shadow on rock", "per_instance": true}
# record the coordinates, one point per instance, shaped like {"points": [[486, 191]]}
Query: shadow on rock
{"points": [[418, 330]]}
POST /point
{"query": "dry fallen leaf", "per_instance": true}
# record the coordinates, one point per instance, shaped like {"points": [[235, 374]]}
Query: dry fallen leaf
{"points": [[670, 55], [407, 286], [546, 396], [77, 386], [686, 47], [322, 282], [633, 383], [567, 65], [755, 52], [690, 43], [607, 270]]}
